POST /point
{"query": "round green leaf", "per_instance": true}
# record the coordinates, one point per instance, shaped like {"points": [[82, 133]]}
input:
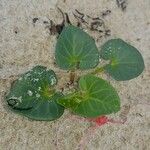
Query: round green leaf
{"points": [[33, 95], [95, 97], [75, 49], [126, 61]]}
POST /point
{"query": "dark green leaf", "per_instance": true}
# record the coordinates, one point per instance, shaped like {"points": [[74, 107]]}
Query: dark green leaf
{"points": [[126, 61], [33, 95], [75, 49], [95, 97]]}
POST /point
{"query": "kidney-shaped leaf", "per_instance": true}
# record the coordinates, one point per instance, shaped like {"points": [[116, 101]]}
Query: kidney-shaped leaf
{"points": [[95, 97], [126, 61], [75, 49], [34, 96]]}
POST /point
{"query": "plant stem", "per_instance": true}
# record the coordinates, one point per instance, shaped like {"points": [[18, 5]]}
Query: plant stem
{"points": [[98, 70], [72, 76]]}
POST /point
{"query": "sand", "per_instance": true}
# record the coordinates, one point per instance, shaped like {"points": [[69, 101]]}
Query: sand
{"points": [[24, 44]]}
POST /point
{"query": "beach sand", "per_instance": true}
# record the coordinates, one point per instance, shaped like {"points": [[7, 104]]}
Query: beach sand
{"points": [[26, 42]]}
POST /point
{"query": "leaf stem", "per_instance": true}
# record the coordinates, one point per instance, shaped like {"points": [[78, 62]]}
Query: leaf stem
{"points": [[72, 76], [98, 70]]}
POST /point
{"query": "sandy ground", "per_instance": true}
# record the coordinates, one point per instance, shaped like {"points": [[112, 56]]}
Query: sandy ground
{"points": [[24, 44]]}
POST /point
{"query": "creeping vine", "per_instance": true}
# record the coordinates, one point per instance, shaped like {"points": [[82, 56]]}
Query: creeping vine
{"points": [[34, 93]]}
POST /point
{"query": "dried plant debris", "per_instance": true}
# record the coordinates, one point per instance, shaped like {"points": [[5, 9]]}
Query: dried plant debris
{"points": [[34, 20], [93, 23], [105, 13], [122, 4], [83, 21], [57, 28]]}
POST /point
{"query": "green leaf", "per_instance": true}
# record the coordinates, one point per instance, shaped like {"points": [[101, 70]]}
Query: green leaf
{"points": [[95, 97], [126, 61], [33, 95], [75, 49]]}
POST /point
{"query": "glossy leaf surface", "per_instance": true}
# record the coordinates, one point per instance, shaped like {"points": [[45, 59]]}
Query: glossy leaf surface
{"points": [[75, 49], [33, 95], [95, 97], [126, 61]]}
